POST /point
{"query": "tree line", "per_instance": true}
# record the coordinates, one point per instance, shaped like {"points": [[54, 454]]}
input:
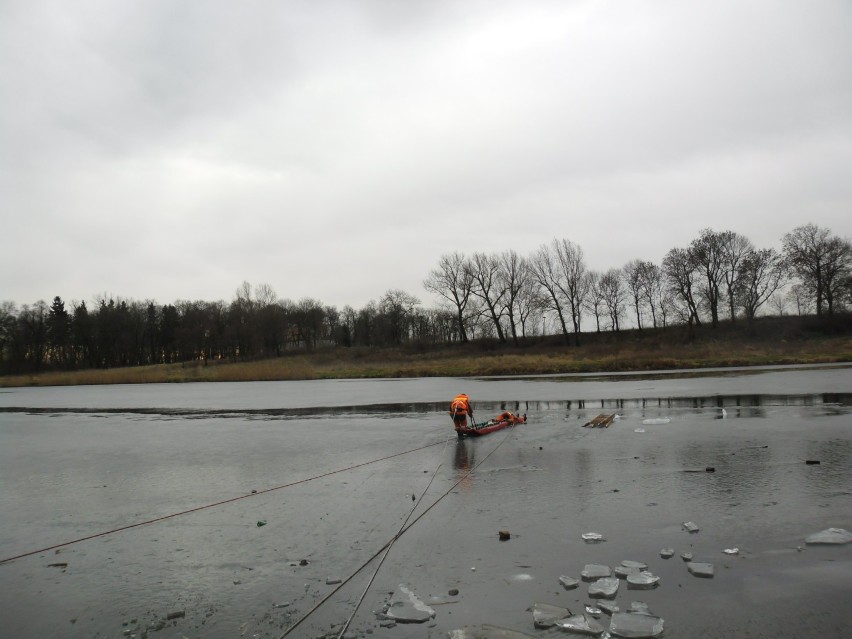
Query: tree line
{"points": [[504, 296]]}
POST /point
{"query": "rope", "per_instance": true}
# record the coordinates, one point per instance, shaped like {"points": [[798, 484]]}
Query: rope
{"points": [[218, 503], [387, 545]]}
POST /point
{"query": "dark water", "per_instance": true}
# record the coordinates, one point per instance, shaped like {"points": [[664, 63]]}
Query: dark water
{"points": [[335, 465]]}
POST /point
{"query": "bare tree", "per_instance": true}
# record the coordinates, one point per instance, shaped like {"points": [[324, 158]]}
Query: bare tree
{"points": [[651, 285], [489, 288], [800, 296], [614, 296], [680, 273], [546, 273], [632, 274], [821, 260], [398, 310], [574, 279], [595, 299], [735, 248], [452, 281], [513, 275], [708, 257], [762, 274]]}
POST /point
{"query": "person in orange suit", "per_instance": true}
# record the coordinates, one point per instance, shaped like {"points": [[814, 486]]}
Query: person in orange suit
{"points": [[460, 409]]}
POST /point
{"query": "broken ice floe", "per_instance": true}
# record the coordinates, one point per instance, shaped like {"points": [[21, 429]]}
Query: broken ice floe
{"points": [[635, 625], [690, 526], [700, 569], [609, 607], [593, 572], [593, 610], [667, 553], [581, 624], [546, 615], [592, 537], [686, 556], [405, 607], [604, 588], [731, 551], [622, 571], [639, 608], [629, 563], [569, 583], [642, 581], [833, 536]]}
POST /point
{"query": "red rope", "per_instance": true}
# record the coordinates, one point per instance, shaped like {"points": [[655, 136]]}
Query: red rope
{"points": [[218, 503]]}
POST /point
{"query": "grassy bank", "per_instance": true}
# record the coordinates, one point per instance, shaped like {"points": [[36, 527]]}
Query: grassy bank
{"points": [[772, 341]]}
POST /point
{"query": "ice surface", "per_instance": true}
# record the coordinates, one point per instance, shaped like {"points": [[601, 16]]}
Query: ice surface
{"points": [[405, 607], [581, 624], [487, 631], [605, 588], [830, 536], [635, 625], [593, 572], [656, 420], [642, 581], [546, 615]]}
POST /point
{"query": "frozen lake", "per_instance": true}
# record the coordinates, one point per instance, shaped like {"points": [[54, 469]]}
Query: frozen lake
{"points": [[335, 465]]}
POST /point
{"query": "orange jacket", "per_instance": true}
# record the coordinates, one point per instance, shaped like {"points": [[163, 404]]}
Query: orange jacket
{"points": [[461, 405]]}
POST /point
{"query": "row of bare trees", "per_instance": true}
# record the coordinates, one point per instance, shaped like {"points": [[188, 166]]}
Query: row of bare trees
{"points": [[501, 295], [718, 273]]}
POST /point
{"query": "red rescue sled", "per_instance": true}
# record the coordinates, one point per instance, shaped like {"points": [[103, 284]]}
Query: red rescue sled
{"points": [[498, 423]]}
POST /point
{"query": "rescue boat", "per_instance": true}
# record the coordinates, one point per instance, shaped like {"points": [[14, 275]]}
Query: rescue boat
{"points": [[497, 423]]}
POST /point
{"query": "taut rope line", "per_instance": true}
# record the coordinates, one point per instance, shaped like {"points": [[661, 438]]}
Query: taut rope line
{"points": [[218, 503]]}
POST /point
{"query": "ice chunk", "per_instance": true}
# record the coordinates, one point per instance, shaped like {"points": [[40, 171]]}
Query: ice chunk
{"points": [[609, 607], [700, 569], [638, 430], [667, 553], [622, 571], [686, 556], [581, 624], [642, 581], [635, 625], [592, 537], [830, 536], [568, 583], [634, 564], [405, 607], [487, 631], [605, 588], [545, 615], [592, 610], [690, 526], [639, 608], [592, 572], [656, 420], [731, 551]]}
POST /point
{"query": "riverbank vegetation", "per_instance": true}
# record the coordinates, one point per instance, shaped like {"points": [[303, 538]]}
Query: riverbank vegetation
{"points": [[770, 340], [499, 313]]}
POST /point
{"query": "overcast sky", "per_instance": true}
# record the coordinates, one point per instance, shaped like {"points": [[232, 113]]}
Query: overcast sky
{"points": [[169, 150]]}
